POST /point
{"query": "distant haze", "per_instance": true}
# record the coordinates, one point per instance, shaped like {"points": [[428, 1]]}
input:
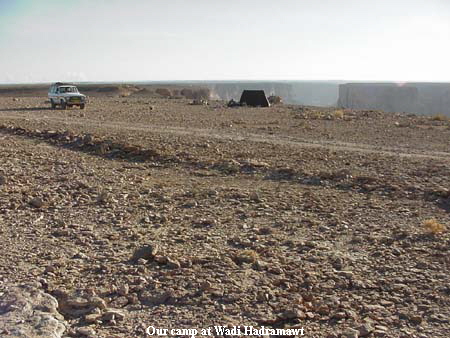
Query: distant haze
{"points": [[133, 40]]}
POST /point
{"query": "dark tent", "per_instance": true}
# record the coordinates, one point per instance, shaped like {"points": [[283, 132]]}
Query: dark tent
{"points": [[254, 98]]}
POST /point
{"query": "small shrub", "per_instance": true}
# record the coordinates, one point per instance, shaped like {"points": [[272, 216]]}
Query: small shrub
{"points": [[246, 256], [440, 117], [315, 115], [274, 99], [338, 114], [432, 226]]}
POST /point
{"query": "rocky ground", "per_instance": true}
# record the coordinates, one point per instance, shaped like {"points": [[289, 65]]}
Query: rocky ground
{"points": [[144, 211]]}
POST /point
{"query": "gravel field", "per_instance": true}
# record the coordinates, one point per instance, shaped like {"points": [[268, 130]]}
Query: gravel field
{"points": [[143, 211]]}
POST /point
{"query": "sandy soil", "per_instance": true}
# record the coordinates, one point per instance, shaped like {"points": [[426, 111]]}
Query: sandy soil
{"points": [[281, 217]]}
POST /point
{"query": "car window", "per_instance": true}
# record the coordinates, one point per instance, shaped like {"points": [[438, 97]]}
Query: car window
{"points": [[64, 90], [68, 89]]}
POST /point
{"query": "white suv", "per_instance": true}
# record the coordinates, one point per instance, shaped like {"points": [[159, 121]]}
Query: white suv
{"points": [[65, 95]]}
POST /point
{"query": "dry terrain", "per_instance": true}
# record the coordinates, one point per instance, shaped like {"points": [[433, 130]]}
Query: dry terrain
{"points": [[143, 210]]}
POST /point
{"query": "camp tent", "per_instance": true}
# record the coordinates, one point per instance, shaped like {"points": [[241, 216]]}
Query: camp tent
{"points": [[254, 98]]}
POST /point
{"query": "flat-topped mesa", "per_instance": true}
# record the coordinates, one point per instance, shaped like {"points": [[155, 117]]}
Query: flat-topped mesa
{"points": [[421, 98]]}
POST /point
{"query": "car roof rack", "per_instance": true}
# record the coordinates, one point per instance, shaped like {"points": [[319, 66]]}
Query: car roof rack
{"points": [[64, 84]]}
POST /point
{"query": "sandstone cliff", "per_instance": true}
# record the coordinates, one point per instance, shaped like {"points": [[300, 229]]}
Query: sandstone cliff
{"points": [[421, 98]]}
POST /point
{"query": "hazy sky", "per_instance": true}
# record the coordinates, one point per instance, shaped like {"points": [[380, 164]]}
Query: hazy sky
{"points": [[131, 40]]}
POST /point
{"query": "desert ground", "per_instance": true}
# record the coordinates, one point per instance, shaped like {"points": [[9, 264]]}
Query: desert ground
{"points": [[149, 211]]}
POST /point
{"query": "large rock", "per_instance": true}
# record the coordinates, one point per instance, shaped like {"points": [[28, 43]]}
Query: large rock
{"points": [[26, 311]]}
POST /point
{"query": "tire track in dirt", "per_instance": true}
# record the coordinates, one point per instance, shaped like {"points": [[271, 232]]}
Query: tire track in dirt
{"points": [[252, 137]]}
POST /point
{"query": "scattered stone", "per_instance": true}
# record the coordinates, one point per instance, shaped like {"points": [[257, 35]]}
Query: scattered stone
{"points": [[155, 297], [141, 261], [88, 139], [173, 264], [36, 202], [123, 289], [365, 330], [121, 301], [350, 333], [113, 314], [50, 268], [147, 252], [246, 256], [416, 319], [265, 231], [86, 332], [340, 315], [93, 318], [161, 259], [132, 299], [323, 310], [97, 302], [104, 197], [292, 314], [346, 274], [206, 286]]}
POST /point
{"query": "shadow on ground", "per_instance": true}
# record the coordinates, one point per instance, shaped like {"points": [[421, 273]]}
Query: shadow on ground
{"points": [[27, 109], [112, 150]]}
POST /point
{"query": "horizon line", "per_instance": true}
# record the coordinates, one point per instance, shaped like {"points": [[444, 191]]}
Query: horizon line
{"points": [[218, 80]]}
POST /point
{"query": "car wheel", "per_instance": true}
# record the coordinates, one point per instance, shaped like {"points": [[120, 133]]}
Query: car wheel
{"points": [[82, 106], [63, 104], [53, 103]]}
